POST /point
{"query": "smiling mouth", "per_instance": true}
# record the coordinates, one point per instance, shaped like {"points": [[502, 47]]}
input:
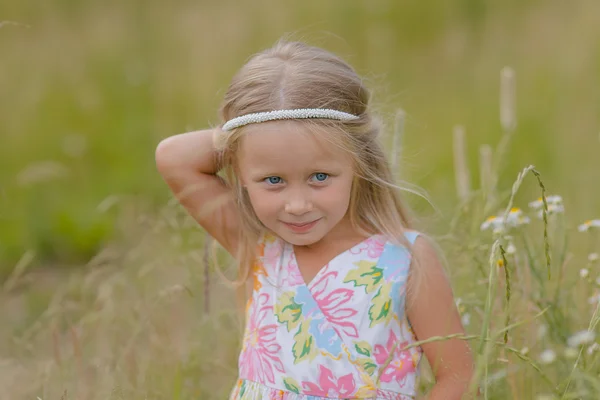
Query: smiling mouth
{"points": [[299, 225], [302, 227]]}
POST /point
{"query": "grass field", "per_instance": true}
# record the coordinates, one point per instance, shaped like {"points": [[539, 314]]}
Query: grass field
{"points": [[104, 292]]}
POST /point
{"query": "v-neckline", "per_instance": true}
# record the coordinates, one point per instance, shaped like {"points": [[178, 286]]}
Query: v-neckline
{"points": [[324, 267]]}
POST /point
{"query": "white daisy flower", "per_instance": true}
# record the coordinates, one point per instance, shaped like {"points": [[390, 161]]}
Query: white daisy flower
{"points": [[554, 199], [552, 210], [593, 257], [539, 203], [581, 338], [584, 273], [547, 356], [592, 223], [551, 200], [466, 319], [516, 218], [493, 222], [511, 249]]}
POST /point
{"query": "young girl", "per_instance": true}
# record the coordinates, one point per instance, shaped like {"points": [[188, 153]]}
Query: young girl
{"points": [[340, 286]]}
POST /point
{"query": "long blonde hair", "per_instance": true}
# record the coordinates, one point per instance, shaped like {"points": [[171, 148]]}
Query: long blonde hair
{"points": [[292, 75]]}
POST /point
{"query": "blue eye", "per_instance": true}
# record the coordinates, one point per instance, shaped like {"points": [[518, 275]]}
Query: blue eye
{"points": [[320, 176], [273, 180]]}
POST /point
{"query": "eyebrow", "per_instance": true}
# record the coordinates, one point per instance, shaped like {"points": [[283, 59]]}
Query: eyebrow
{"points": [[321, 167]]}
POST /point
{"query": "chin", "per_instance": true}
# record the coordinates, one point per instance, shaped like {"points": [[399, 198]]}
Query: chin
{"points": [[300, 240]]}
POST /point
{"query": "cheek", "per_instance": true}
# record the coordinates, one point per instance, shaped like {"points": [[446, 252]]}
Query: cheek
{"points": [[336, 198], [263, 203]]}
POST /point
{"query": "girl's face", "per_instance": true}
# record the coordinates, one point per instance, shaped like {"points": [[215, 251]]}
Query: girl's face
{"points": [[299, 184]]}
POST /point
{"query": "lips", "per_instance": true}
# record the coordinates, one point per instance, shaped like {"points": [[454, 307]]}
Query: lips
{"points": [[301, 227]]}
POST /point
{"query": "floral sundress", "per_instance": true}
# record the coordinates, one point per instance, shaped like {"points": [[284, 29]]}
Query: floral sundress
{"points": [[343, 335]]}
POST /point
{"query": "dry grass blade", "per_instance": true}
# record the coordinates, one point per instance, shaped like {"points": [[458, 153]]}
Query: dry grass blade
{"points": [[461, 169]]}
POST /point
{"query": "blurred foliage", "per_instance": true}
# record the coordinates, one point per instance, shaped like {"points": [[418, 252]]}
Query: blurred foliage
{"points": [[89, 88]]}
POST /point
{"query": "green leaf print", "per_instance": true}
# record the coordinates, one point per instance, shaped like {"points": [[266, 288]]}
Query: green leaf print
{"points": [[367, 365], [292, 385], [304, 346], [367, 275], [380, 307], [288, 311], [363, 348]]}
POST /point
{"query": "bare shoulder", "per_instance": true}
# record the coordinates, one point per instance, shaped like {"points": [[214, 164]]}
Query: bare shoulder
{"points": [[426, 253], [427, 275]]}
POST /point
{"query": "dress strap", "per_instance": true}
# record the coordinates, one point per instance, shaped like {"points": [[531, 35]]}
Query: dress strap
{"points": [[411, 236]]}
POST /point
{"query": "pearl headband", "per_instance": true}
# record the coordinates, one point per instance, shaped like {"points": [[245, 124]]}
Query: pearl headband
{"points": [[287, 114]]}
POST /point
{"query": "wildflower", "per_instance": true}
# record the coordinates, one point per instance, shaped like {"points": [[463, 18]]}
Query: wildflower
{"points": [[542, 330], [525, 350], [592, 223], [493, 222], [514, 219], [511, 249], [594, 347], [500, 263], [553, 200], [584, 273], [593, 257], [552, 209], [460, 306], [547, 356], [581, 338], [466, 319], [571, 352]]}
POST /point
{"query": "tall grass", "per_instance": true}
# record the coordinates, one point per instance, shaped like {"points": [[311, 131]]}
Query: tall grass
{"points": [[90, 90], [135, 323]]}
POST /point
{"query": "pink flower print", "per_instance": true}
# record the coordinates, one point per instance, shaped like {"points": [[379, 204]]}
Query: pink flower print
{"points": [[329, 386], [271, 253], [292, 276], [402, 362], [372, 247], [260, 349], [331, 304]]}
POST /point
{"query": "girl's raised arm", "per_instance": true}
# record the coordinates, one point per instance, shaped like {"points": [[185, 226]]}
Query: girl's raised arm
{"points": [[189, 164]]}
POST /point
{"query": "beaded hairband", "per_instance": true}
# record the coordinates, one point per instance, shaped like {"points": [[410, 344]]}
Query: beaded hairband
{"points": [[287, 114]]}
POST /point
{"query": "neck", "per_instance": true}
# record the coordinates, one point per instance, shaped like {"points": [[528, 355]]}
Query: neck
{"points": [[341, 233]]}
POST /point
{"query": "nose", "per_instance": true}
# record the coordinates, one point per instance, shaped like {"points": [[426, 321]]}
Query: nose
{"points": [[298, 204]]}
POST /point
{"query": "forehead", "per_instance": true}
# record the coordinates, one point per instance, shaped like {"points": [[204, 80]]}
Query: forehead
{"points": [[281, 144]]}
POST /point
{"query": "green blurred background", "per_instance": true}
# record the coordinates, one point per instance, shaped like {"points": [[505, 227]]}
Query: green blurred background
{"points": [[88, 89]]}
